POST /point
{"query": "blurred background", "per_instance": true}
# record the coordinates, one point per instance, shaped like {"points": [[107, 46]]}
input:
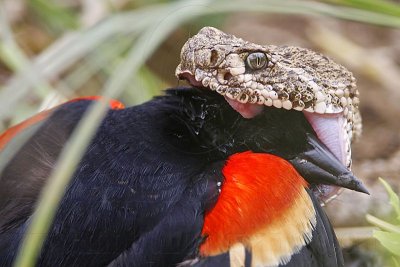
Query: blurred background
{"points": [[54, 50]]}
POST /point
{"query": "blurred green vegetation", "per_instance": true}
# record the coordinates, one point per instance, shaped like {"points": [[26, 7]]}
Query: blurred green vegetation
{"points": [[63, 49], [389, 232], [384, 7]]}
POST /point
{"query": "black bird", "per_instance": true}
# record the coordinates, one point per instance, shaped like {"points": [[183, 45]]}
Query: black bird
{"points": [[180, 179]]}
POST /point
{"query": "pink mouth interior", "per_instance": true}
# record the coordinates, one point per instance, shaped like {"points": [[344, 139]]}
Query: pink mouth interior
{"points": [[329, 129], [247, 110], [190, 79]]}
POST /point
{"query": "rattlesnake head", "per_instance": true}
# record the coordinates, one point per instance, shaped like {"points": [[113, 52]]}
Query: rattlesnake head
{"points": [[251, 76]]}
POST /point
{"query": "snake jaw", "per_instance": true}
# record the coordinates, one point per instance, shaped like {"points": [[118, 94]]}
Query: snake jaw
{"points": [[188, 76], [292, 78]]}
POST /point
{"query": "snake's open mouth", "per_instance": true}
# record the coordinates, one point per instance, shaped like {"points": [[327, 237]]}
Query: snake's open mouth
{"points": [[252, 76], [331, 129]]}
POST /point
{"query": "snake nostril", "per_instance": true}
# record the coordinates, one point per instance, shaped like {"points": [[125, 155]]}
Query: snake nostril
{"points": [[214, 58], [227, 76]]}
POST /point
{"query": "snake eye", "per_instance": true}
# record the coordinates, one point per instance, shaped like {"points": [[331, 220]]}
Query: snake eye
{"points": [[256, 60]]}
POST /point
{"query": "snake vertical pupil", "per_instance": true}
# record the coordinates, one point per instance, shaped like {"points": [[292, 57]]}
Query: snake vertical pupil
{"points": [[256, 60]]}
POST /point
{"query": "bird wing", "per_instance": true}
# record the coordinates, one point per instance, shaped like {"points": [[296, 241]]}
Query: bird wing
{"points": [[29, 168], [108, 210]]}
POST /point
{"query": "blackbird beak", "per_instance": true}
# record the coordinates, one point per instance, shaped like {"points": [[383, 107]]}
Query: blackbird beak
{"points": [[319, 166]]}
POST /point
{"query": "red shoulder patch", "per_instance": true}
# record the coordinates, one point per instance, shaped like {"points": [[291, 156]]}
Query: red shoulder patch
{"points": [[257, 189], [6, 136]]}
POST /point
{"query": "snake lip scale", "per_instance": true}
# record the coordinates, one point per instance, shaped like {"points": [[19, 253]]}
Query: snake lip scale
{"points": [[251, 76]]}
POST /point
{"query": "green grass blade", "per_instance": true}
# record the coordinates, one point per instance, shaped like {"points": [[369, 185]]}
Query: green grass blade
{"points": [[391, 241], [393, 198], [377, 6], [383, 224], [57, 183], [309, 8]]}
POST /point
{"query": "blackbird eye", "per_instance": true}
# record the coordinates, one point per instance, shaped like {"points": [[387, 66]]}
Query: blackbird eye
{"points": [[256, 60]]}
